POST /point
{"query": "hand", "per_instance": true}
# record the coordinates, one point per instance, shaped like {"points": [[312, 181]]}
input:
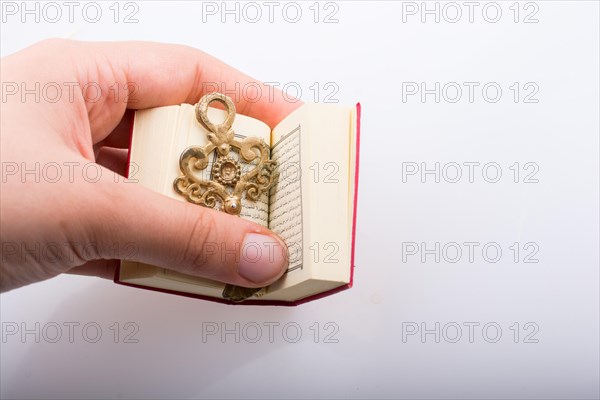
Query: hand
{"points": [[72, 128]]}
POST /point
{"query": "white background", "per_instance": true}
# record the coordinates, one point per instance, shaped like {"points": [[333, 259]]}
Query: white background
{"points": [[369, 53]]}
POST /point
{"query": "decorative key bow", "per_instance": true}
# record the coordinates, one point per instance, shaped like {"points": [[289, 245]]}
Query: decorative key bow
{"points": [[228, 183]]}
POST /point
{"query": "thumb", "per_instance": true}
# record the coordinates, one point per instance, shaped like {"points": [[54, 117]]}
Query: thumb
{"points": [[185, 237]]}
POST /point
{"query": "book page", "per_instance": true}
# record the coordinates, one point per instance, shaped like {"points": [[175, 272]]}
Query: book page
{"points": [[285, 202], [311, 205]]}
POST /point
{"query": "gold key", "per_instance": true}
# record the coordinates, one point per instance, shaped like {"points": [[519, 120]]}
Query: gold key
{"points": [[224, 191]]}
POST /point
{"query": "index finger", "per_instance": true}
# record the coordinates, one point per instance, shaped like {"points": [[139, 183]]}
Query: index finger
{"points": [[166, 74], [141, 75]]}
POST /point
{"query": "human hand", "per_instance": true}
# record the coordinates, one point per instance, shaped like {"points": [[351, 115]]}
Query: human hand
{"points": [[54, 223]]}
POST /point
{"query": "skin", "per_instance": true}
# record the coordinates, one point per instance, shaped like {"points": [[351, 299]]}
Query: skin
{"points": [[111, 219]]}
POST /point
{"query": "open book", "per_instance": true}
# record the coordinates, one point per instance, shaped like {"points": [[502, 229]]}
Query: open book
{"points": [[311, 205]]}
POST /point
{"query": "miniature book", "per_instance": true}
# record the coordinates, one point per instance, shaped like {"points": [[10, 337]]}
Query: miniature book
{"points": [[299, 180]]}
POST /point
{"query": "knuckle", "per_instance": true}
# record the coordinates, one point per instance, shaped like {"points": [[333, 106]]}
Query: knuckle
{"points": [[202, 227]]}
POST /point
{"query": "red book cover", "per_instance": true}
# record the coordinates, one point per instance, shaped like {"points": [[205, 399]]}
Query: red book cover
{"points": [[273, 302]]}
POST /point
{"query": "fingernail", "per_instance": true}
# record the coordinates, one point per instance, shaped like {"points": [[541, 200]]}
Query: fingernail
{"points": [[262, 258]]}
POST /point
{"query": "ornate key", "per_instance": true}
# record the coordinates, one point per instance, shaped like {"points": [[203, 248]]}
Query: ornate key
{"points": [[229, 183]]}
